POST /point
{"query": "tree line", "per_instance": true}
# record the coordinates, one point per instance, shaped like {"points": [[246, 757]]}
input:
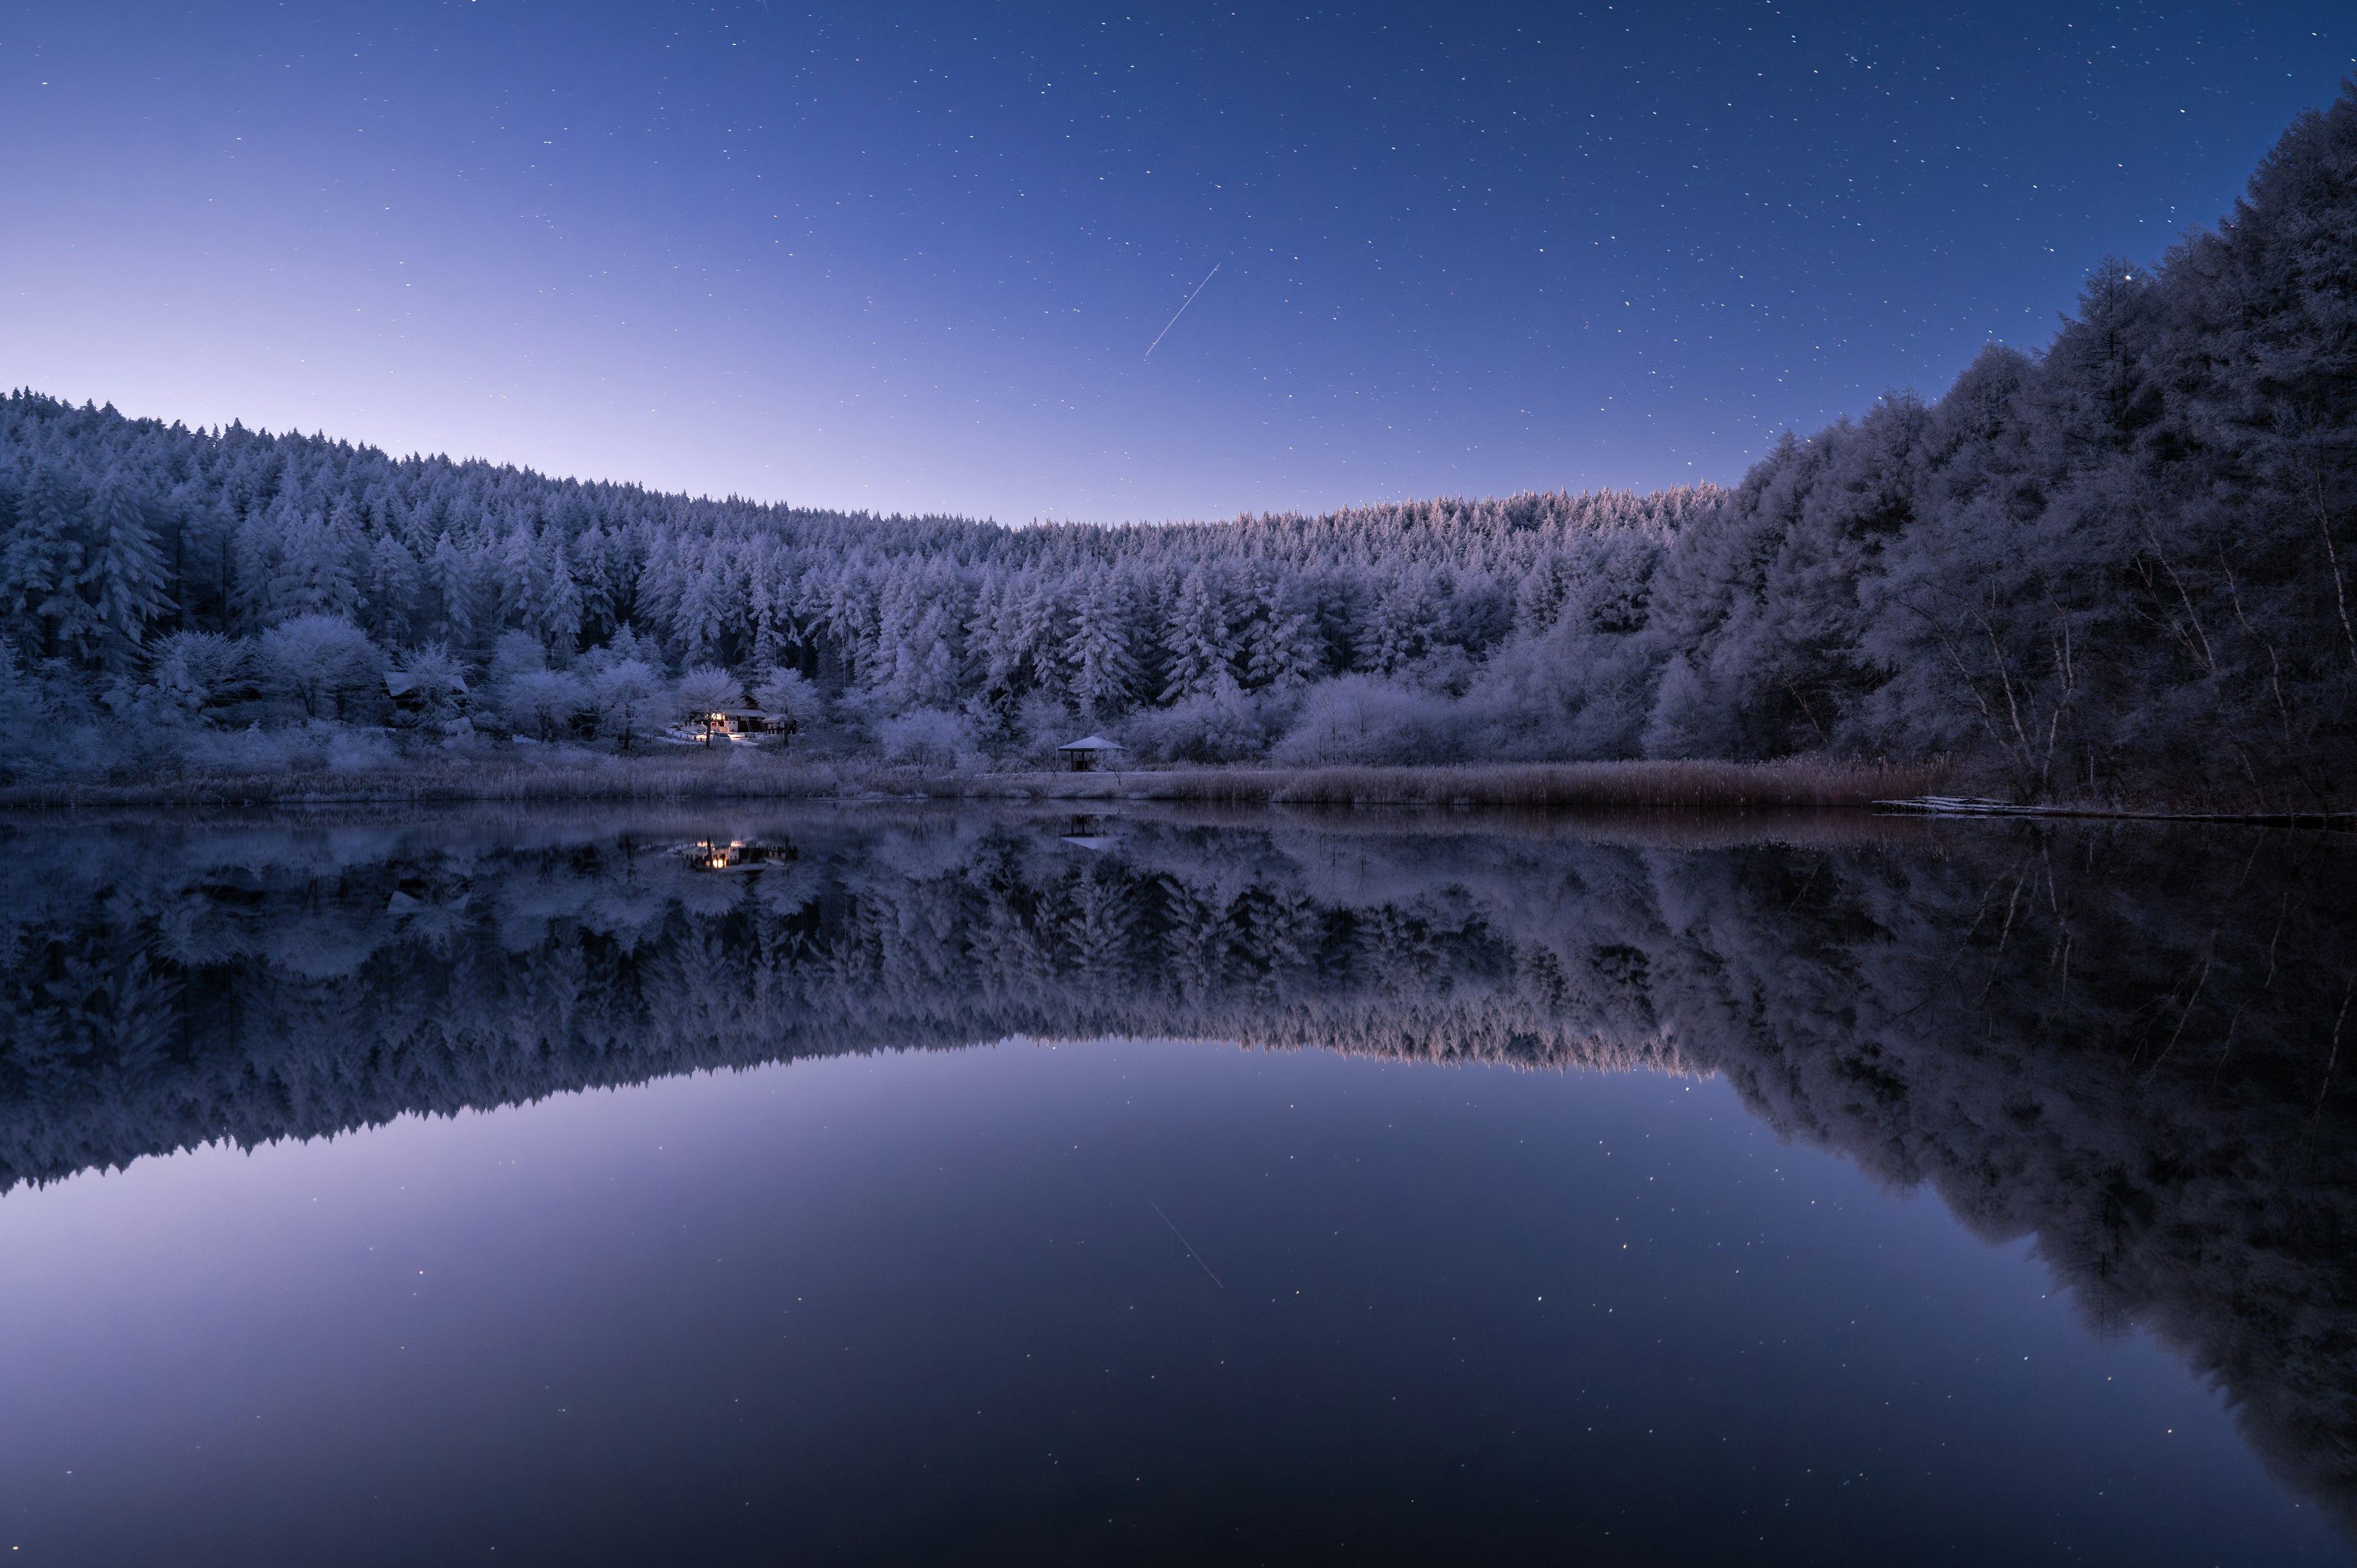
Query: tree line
{"points": [[2113, 568]]}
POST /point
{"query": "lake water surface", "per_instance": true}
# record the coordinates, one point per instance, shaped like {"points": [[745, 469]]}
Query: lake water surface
{"points": [[855, 1183]]}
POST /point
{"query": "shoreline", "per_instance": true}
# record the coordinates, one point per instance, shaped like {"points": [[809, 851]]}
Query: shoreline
{"points": [[1801, 783], [1571, 786], [1954, 808]]}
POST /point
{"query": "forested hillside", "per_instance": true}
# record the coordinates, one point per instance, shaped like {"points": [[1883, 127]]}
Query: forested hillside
{"points": [[2116, 569]]}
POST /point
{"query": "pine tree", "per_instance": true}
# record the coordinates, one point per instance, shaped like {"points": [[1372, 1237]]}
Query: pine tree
{"points": [[45, 566], [128, 572], [1284, 649], [313, 574], [391, 592], [1201, 657], [1103, 668], [449, 588]]}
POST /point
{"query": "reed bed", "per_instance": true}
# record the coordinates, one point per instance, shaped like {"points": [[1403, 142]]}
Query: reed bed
{"points": [[1799, 827], [1556, 785], [1581, 786], [438, 782]]}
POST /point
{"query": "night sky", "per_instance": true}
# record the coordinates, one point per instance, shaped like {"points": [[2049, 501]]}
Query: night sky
{"points": [[912, 258]]}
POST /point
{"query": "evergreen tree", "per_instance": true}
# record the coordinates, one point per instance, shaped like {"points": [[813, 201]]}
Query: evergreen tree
{"points": [[1103, 668], [127, 573], [1285, 652], [390, 594], [44, 567], [1200, 658]]}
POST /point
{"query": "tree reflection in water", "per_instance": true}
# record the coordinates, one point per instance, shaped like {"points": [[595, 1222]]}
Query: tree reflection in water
{"points": [[2126, 1041]]}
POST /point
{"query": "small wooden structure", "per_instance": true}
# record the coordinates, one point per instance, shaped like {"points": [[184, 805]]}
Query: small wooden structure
{"points": [[744, 726], [1090, 753], [733, 855], [411, 696]]}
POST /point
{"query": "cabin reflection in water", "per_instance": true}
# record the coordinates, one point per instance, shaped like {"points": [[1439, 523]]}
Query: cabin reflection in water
{"points": [[734, 855]]}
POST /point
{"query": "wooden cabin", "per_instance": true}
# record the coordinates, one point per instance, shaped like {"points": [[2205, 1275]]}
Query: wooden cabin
{"points": [[747, 726], [414, 696]]}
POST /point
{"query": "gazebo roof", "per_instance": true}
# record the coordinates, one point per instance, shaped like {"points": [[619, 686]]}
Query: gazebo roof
{"points": [[1091, 743]]}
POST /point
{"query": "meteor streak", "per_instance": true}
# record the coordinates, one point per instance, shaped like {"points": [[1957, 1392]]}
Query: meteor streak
{"points": [[1173, 322], [1149, 1202]]}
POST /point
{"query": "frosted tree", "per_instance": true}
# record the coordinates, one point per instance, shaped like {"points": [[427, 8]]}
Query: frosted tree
{"points": [[704, 691], [126, 574], [1539, 595], [769, 607], [1404, 625], [515, 654], [434, 683], [1201, 656], [542, 703], [44, 567], [203, 672], [1104, 668], [314, 571], [324, 664], [632, 702], [1040, 612], [918, 661], [703, 605], [389, 593], [1284, 647], [521, 578], [929, 737], [788, 694], [448, 590], [559, 618]]}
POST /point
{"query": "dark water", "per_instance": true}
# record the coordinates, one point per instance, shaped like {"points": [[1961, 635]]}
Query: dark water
{"points": [[977, 1188]]}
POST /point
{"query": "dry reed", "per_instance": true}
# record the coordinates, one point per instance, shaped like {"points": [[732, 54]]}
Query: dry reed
{"points": [[1551, 786], [1594, 786]]}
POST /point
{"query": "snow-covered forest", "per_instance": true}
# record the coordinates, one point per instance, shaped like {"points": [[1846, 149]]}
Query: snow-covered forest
{"points": [[2116, 567], [2158, 1105]]}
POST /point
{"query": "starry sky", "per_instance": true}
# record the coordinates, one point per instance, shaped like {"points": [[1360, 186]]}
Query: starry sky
{"points": [[913, 257]]}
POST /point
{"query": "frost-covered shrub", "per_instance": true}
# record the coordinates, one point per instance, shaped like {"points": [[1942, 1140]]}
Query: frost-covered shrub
{"points": [[542, 703], [1040, 725], [351, 750], [788, 694], [1223, 726], [1684, 721], [705, 689], [1569, 695], [516, 653], [632, 703], [204, 673], [432, 687], [254, 749], [929, 737], [1360, 719], [324, 665]]}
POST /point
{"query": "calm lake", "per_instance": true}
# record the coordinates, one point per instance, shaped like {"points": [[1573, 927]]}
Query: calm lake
{"points": [[878, 1184]]}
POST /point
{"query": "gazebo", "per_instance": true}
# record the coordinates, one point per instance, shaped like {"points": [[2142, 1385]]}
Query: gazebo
{"points": [[1090, 753]]}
